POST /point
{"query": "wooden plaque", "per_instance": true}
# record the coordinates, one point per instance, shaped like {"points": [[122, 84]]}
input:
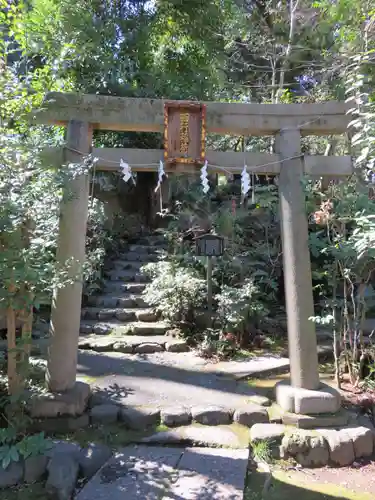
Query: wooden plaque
{"points": [[184, 132], [209, 245]]}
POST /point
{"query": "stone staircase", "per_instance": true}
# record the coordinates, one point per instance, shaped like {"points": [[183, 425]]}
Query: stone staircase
{"points": [[120, 309]]}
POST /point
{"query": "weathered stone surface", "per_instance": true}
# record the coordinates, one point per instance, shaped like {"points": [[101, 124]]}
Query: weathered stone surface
{"points": [[101, 329], [148, 348], [313, 421], [99, 397], [68, 447], [211, 415], [140, 418], [250, 414], [146, 315], [72, 402], [61, 424], [272, 433], [307, 402], [363, 440], [134, 473], [104, 414], [123, 315], [123, 347], [340, 445], [97, 344], [175, 416], [193, 434], [92, 458], [260, 400], [105, 314], [12, 475], [309, 450], [177, 346], [210, 474], [62, 476], [34, 468]]}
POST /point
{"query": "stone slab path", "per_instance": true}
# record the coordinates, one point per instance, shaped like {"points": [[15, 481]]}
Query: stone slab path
{"points": [[154, 473], [169, 379]]}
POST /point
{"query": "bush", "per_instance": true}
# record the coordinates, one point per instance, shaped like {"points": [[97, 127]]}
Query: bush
{"points": [[175, 292]]}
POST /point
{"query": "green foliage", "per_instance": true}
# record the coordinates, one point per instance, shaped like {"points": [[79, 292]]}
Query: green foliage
{"points": [[174, 291], [13, 449]]}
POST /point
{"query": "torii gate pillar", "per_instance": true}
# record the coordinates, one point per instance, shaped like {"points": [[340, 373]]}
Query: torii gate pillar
{"points": [[303, 393]]}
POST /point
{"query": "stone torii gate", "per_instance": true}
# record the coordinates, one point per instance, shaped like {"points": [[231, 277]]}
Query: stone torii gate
{"points": [[81, 114]]}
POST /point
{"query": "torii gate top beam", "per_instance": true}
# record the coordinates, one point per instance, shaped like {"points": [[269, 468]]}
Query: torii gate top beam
{"points": [[146, 115]]}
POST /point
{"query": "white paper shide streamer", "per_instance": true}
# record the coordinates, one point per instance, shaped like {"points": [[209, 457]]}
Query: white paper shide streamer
{"points": [[126, 170], [204, 178], [161, 174], [245, 181]]}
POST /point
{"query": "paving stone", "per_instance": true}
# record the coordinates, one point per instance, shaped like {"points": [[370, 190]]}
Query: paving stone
{"points": [[194, 434], [102, 329], [97, 344], [308, 449], [363, 441], [92, 458], [148, 348], [105, 314], [175, 416], [177, 346], [140, 418], [62, 476], [123, 347], [338, 419], [60, 424], [210, 474], [68, 447], [211, 415], [126, 302], [260, 400], [340, 445], [34, 468], [134, 473], [12, 475], [104, 414], [250, 414]]}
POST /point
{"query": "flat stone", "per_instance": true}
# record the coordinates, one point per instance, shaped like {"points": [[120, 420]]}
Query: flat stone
{"points": [[246, 368], [72, 402], [177, 346], [104, 414], [338, 419], [123, 347], [125, 315], [250, 414], [134, 473], [210, 474], [62, 476], [363, 440], [92, 458], [211, 415], [192, 434], [105, 314], [140, 418], [12, 475], [98, 345], [307, 448], [34, 468], [148, 348], [307, 402], [260, 400], [101, 329], [340, 446], [175, 416]]}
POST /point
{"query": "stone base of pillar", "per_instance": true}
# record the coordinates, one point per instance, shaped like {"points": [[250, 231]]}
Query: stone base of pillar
{"points": [[307, 402], [72, 402]]}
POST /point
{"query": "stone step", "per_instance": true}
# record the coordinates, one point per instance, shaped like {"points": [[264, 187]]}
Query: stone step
{"points": [[121, 264], [147, 249], [114, 301], [140, 257], [121, 314], [130, 275], [116, 327], [120, 286], [133, 344]]}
